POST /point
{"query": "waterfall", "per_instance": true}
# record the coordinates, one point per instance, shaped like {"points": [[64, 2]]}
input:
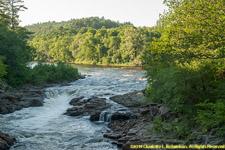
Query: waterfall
{"points": [[109, 118], [102, 116], [105, 116], [52, 93]]}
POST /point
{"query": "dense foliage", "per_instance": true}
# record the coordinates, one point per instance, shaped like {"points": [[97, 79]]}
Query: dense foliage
{"points": [[122, 45], [2, 70], [186, 66], [14, 49], [52, 73], [15, 53], [73, 26]]}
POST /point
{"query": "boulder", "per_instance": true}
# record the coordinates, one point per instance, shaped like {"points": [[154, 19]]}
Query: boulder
{"points": [[92, 106], [95, 116], [132, 99], [76, 100]]}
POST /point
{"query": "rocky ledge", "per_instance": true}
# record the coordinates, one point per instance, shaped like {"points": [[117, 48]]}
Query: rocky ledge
{"points": [[85, 107], [12, 100], [5, 141], [139, 131], [94, 107]]}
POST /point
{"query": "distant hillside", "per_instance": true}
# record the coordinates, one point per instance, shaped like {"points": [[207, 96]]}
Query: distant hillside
{"points": [[73, 25]]}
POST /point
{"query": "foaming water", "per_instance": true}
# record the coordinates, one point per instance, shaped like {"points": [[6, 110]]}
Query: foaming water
{"points": [[47, 128]]}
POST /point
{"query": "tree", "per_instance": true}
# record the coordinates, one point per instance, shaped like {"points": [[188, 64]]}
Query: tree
{"points": [[186, 66], [12, 8], [132, 43]]}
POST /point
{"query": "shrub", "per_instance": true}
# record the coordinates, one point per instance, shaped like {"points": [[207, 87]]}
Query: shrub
{"points": [[211, 116], [51, 73]]}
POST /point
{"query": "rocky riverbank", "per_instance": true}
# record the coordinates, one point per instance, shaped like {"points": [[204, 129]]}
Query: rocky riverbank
{"points": [[144, 130], [145, 123], [12, 100]]}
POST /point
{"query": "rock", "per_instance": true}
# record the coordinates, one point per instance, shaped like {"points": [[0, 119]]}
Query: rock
{"points": [[132, 99], [4, 145], [122, 116], [75, 113], [132, 132], [5, 141], [76, 100], [95, 116], [36, 102], [211, 140], [145, 111], [92, 106], [19, 99], [112, 135], [154, 110], [164, 110]]}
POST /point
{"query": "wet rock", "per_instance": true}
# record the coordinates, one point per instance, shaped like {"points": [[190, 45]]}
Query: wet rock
{"points": [[76, 100], [92, 106], [95, 116], [5, 141], [25, 97], [36, 102], [75, 113], [112, 135]]}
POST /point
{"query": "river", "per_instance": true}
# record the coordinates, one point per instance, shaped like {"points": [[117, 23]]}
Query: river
{"points": [[47, 128]]}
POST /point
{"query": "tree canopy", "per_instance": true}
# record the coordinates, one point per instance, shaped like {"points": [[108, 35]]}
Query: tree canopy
{"points": [[186, 65], [120, 45]]}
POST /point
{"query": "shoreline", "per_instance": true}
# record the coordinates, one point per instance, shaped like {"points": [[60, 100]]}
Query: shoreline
{"points": [[142, 131], [98, 65]]}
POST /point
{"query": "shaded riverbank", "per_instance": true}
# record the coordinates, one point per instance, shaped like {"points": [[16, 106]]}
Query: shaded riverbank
{"points": [[145, 130]]}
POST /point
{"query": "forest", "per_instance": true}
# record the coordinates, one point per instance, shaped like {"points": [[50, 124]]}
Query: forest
{"points": [[91, 41]]}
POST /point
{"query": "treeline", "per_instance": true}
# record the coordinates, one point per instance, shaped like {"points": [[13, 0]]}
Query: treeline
{"points": [[186, 68], [73, 26], [121, 45], [15, 52]]}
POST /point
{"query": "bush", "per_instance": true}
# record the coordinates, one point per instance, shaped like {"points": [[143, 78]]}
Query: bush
{"points": [[211, 116], [51, 73], [2, 70]]}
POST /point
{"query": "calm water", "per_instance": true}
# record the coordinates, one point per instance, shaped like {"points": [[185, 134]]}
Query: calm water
{"points": [[46, 128]]}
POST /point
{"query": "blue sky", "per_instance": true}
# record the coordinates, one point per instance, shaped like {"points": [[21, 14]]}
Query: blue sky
{"points": [[138, 12]]}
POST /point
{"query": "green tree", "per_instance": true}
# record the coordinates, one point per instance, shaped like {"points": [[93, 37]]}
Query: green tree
{"points": [[12, 8], [132, 43], [186, 66]]}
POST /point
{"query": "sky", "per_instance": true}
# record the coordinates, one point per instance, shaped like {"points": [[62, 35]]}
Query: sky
{"points": [[138, 12]]}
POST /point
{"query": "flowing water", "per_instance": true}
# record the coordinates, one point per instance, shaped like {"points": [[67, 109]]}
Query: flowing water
{"points": [[46, 128]]}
